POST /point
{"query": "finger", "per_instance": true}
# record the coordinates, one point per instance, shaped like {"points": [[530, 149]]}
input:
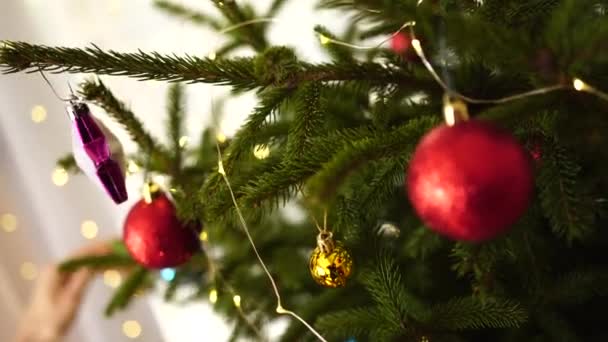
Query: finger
{"points": [[49, 281], [70, 297], [75, 286]]}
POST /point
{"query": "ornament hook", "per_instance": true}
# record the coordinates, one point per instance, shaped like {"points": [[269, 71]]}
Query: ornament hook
{"points": [[72, 98], [454, 109], [325, 241]]}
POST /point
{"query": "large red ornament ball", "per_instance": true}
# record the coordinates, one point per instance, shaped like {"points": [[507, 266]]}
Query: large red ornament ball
{"points": [[470, 181], [155, 237]]}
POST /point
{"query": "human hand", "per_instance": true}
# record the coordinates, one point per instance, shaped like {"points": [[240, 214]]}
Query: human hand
{"points": [[56, 299]]}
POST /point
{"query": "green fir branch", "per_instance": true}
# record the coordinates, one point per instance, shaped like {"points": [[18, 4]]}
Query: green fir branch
{"points": [[479, 264], [374, 73], [246, 138], [386, 334], [176, 111], [68, 163], [277, 182], [123, 295], [387, 178], [355, 154], [473, 313], [316, 306], [20, 56], [568, 208], [518, 14], [281, 181], [236, 72], [337, 52], [96, 262], [275, 7], [227, 48], [422, 243], [236, 14], [397, 305], [173, 286], [353, 206], [357, 322], [183, 12], [307, 122], [276, 187], [556, 327], [218, 203], [578, 287]]}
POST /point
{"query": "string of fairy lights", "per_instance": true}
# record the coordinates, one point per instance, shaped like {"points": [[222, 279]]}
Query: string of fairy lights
{"points": [[450, 112], [113, 278], [215, 273], [280, 309], [576, 83]]}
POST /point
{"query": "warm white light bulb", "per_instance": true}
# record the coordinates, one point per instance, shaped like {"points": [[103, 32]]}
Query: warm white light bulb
{"points": [[261, 151], [449, 114], [112, 278], [220, 137], [183, 141], [417, 45], [132, 167], [38, 114], [213, 296], [60, 176], [8, 222], [28, 271], [131, 329], [579, 85], [324, 39], [220, 168], [89, 229], [237, 301]]}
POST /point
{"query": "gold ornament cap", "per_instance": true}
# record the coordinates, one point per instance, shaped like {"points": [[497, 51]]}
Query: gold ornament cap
{"points": [[454, 109], [150, 191]]}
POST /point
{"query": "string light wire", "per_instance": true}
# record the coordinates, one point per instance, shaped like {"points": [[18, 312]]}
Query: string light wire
{"points": [[213, 268], [214, 272], [213, 54], [70, 99], [417, 45], [577, 84], [327, 40], [280, 309]]}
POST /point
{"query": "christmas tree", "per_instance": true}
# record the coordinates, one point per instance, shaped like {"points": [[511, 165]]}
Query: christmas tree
{"points": [[453, 153]]}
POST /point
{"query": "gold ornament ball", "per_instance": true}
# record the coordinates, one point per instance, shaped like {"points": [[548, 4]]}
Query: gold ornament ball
{"points": [[331, 269]]}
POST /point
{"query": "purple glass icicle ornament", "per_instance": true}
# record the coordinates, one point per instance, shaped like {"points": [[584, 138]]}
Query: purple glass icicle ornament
{"points": [[92, 151]]}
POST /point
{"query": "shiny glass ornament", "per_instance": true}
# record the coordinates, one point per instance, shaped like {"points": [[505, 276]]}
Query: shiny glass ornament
{"points": [[330, 263], [470, 181], [155, 237], [97, 151]]}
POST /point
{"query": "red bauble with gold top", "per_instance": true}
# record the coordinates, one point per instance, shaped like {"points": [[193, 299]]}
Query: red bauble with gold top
{"points": [[470, 181], [401, 44], [155, 237]]}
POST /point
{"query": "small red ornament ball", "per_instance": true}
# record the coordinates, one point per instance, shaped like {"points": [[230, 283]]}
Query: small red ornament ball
{"points": [[401, 43], [470, 181], [155, 237]]}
